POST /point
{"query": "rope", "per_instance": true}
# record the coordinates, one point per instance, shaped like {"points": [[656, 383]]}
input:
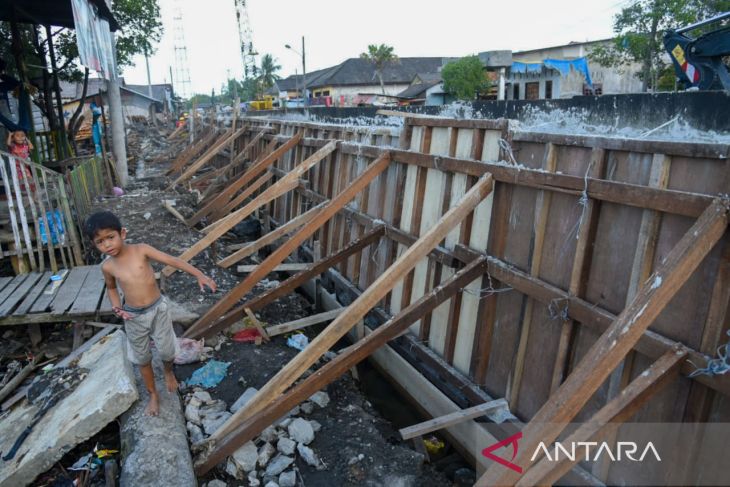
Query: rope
{"points": [[716, 366], [507, 149]]}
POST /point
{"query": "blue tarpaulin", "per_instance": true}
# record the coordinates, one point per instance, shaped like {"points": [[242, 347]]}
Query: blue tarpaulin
{"points": [[563, 66]]}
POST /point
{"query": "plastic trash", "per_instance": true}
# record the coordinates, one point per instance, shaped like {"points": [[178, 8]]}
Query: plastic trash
{"points": [[117, 191], [247, 335], [55, 223], [298, 341], [189, 350], [82, 463], [210, 374]]}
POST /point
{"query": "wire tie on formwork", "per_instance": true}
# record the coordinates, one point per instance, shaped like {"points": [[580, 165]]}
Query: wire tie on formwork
{"points": [[507, 148], [716, 366], [558, 313]]}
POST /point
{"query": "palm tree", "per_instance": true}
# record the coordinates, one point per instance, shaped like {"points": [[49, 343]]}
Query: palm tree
{"points": [[380, 55], [269, 69]]}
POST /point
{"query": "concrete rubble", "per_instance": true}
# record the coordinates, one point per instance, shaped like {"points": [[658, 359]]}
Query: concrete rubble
{"points": [[102, 396], [270, 458]]}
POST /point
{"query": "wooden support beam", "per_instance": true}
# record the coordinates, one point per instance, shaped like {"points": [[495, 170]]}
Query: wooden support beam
{"points": [[358, 309], [256, 168], [191, 151], [259, 326], [287, 286], [212, 152], [669, 201], [619, 338], [588, 225], [242, 155], [303, 322], [285, 184], [348, 358], [285, 267], [457, 417], [278, 256], [240, 198], [542, 210], [168, 206], [618, 410], [271, 237]]}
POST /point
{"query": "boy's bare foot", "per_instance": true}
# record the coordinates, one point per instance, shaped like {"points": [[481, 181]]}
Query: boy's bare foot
{"points": [[153, 407], [171, 381]]}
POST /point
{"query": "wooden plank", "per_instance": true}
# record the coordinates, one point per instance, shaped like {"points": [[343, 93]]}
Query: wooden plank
{"points": [[259, 326], [69, 290], [284, 267], [4, 281], [168, 206], [618, 410], [7, 292], [21, 213], [7, 305], [271, 237], [357, 310], [90, 295], [477, 240], [619, 338], [205, 158], [191, 151], [240, 198], [451, 419], [581, 262], [7, 182], [328, 373], [280, 187], [288, 285], [303, 322], [542, 210], [640, 271], [278, 256], [49, 293], [256, 168]]}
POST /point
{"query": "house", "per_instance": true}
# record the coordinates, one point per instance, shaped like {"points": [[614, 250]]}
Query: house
{"points": [[354, 82], [565, 71], [425, 89]]}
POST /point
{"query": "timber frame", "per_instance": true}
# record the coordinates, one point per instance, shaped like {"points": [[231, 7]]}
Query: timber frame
{"points": [[545, 269]]}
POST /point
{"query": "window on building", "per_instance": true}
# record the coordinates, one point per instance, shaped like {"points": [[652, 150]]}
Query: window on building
{"points": [[532, 90], [516, 91], [326, 93], [597, 89], [549, 89]]}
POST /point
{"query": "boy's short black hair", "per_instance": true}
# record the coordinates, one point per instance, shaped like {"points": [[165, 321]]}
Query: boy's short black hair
{"points": [[101, 220]]}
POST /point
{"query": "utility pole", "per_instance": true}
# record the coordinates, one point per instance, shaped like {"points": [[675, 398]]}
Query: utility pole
{"points": [[149, 78], [119, 144], [304, 80]]}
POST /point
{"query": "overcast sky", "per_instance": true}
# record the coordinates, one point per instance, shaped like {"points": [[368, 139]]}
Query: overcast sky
{"points": [[336, 30]]}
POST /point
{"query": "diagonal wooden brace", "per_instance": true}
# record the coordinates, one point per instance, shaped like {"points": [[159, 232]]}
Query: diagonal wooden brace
{"points": [[360, 307], [289, 285], [618, 339], [284, 185], [348, 358]]}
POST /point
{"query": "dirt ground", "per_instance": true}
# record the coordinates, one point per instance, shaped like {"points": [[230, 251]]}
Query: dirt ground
{"points": [[357, 444]]}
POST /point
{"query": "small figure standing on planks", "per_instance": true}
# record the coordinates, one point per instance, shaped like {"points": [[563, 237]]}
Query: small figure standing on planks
{"points": [[20, 147], [145, 311]]}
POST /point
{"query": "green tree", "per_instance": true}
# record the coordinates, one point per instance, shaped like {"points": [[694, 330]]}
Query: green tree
{"points": [[268, 73], [380, 56], [465, 78], [639, 28]]}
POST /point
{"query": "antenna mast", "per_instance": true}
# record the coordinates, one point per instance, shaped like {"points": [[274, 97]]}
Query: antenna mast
{"points": [[182, 73]]}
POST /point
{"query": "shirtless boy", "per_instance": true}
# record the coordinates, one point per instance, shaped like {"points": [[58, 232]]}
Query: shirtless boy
{"points": [[145, 311]]}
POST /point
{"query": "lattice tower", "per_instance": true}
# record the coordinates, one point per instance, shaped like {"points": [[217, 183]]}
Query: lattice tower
{"points": [[182, 72]]}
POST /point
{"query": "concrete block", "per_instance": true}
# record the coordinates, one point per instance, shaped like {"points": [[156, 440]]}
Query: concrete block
{"points": [[104, 394]]}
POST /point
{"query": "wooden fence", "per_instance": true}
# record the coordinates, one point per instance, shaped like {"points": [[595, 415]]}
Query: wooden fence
{"points": [[578, 236], [88, 180], [583, 217], [39, 229]]}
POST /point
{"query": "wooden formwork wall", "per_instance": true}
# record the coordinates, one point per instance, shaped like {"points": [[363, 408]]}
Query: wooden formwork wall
{"points": [[556, 216]]}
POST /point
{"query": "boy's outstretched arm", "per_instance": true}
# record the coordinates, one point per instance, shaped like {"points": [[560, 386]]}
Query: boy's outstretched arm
{"points": [[167, 259]]}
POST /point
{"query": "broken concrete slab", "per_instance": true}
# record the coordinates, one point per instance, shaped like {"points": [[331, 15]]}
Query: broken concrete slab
{"points": [[155, 447], [104, 394]]}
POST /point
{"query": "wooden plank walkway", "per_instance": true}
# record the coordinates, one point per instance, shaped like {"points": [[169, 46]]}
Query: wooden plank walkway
{"points": [[36, 298]]}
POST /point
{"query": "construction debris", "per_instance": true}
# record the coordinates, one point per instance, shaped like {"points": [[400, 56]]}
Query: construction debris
{"points": [[106, 392]]}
